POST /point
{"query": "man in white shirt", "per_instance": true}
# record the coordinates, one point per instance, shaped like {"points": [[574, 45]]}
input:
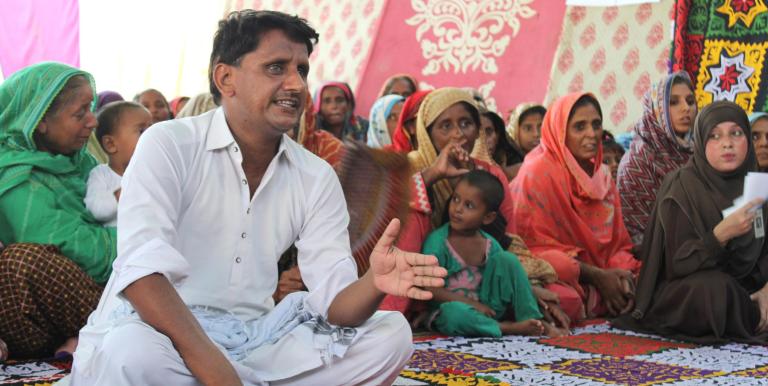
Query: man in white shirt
{"points": [[208, 205]]}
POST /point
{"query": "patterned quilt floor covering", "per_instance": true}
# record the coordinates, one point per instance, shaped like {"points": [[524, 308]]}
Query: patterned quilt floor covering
{"points": [[593, 355]]}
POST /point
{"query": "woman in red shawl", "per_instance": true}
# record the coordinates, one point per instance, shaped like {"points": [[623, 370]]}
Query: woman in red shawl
{"points": [[568, 211], [404, 138]]}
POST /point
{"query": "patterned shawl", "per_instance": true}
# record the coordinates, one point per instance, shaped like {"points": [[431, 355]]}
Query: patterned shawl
{"points": [[433, 105], [401, 140], [378, 133], [41, 193], [654, 152], [558, 206]]}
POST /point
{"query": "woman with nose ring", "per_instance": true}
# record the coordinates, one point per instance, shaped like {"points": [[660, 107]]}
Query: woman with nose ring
{"points": [[567, 209], [705, 271], [450, 144]]}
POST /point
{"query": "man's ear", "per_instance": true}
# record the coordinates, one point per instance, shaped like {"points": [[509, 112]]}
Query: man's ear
{"points": [[489, 218], [108, 144], [223, 78]]}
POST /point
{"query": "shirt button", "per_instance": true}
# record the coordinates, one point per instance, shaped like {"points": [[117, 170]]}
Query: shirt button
{"points": [[243, 235], [235, 149], [245, 182], [248, 211], [238, 260]]}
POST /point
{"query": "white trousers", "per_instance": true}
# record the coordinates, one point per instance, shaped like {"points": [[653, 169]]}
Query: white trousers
{"points": [[136, 354]]}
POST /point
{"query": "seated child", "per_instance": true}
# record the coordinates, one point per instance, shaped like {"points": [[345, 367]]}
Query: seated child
{"points": [[612, 154], [487, 292], [120, 125]]}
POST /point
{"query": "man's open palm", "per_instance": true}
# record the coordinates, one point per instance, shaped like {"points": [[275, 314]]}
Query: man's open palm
{"points": [[400, 273]]}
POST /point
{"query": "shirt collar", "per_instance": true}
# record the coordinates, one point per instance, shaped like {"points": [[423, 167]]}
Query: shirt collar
{"points": [[219, 137]]}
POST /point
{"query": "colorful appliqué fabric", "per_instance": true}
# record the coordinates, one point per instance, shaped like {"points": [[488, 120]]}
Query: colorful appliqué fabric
{"points": [[722, 45]]}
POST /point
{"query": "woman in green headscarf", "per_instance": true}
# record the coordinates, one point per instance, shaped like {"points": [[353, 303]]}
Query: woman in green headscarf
{"points": [[57, 254]]}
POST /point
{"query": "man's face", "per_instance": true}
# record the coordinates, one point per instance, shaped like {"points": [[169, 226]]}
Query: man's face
{"points": [[270, 82]]}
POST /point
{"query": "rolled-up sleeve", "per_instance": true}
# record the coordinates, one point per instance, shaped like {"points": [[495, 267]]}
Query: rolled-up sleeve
{"points": [[148, 212], [324, 254]]}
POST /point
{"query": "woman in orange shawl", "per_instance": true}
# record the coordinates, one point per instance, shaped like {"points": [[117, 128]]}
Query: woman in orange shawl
{"points": [[319, 142], [568, 211]]}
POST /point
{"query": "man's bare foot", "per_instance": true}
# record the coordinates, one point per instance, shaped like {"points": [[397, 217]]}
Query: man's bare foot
{"points": [[3, 351], [533, 327], [68, 347], [552, 331]]}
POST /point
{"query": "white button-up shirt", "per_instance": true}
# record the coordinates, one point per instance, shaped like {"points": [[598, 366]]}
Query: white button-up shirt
{"points": [[185, 211]]}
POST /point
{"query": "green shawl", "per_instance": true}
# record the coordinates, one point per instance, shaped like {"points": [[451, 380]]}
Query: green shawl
{"points": [[41, 194]]}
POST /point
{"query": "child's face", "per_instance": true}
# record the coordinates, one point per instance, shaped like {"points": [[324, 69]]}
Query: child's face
{"points": [[529, 132], [467, 210], [612, 159], [131, 124]]}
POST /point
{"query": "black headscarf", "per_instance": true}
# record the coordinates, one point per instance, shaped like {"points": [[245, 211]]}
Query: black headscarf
{"points": [[702, 193]]}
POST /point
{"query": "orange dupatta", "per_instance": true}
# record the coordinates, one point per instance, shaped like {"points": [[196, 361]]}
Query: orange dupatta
{"points": [[558, 206]]}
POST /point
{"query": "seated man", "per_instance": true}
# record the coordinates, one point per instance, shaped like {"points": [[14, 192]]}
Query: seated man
{"points": [[208, 205]]}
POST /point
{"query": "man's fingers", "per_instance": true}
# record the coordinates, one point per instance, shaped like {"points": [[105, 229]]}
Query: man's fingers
{"points": [[427, 281], [418, 294], [417, 259], [430, 270], [387, 239]]}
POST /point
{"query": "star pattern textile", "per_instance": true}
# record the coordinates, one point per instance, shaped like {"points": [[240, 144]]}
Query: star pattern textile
{"points": [[722, 45]]}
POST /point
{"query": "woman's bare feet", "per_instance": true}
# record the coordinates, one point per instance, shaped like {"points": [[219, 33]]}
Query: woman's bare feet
{"points": [[68, 347], [3, 351], [533, 327]]}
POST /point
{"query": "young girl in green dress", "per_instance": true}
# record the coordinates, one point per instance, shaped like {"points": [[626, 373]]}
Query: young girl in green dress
{"points": [[487, 292]]}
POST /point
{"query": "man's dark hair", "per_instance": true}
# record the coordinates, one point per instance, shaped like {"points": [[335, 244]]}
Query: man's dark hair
{"points": [[491, 189], [109, 117], [240, 32]]}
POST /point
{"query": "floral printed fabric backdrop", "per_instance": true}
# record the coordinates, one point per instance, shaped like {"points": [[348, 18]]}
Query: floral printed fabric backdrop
{"points": [[345, 28], [723, 45], [502, 48], [616, 53]]}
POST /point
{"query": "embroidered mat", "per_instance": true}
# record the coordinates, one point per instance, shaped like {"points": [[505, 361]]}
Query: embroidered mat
{"points": [[42, 372], [593, 355]]}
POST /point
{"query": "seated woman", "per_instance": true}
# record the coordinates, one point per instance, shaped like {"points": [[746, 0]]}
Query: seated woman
{"points": [[335, 111], [447, 129], [400, 84], [704, 276], [501, 150], [198, 104], [56, 252], [524, 129], [567, 209], [661, 145], [385, 113], [156, 103], [404, 138], [759, 123]]}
